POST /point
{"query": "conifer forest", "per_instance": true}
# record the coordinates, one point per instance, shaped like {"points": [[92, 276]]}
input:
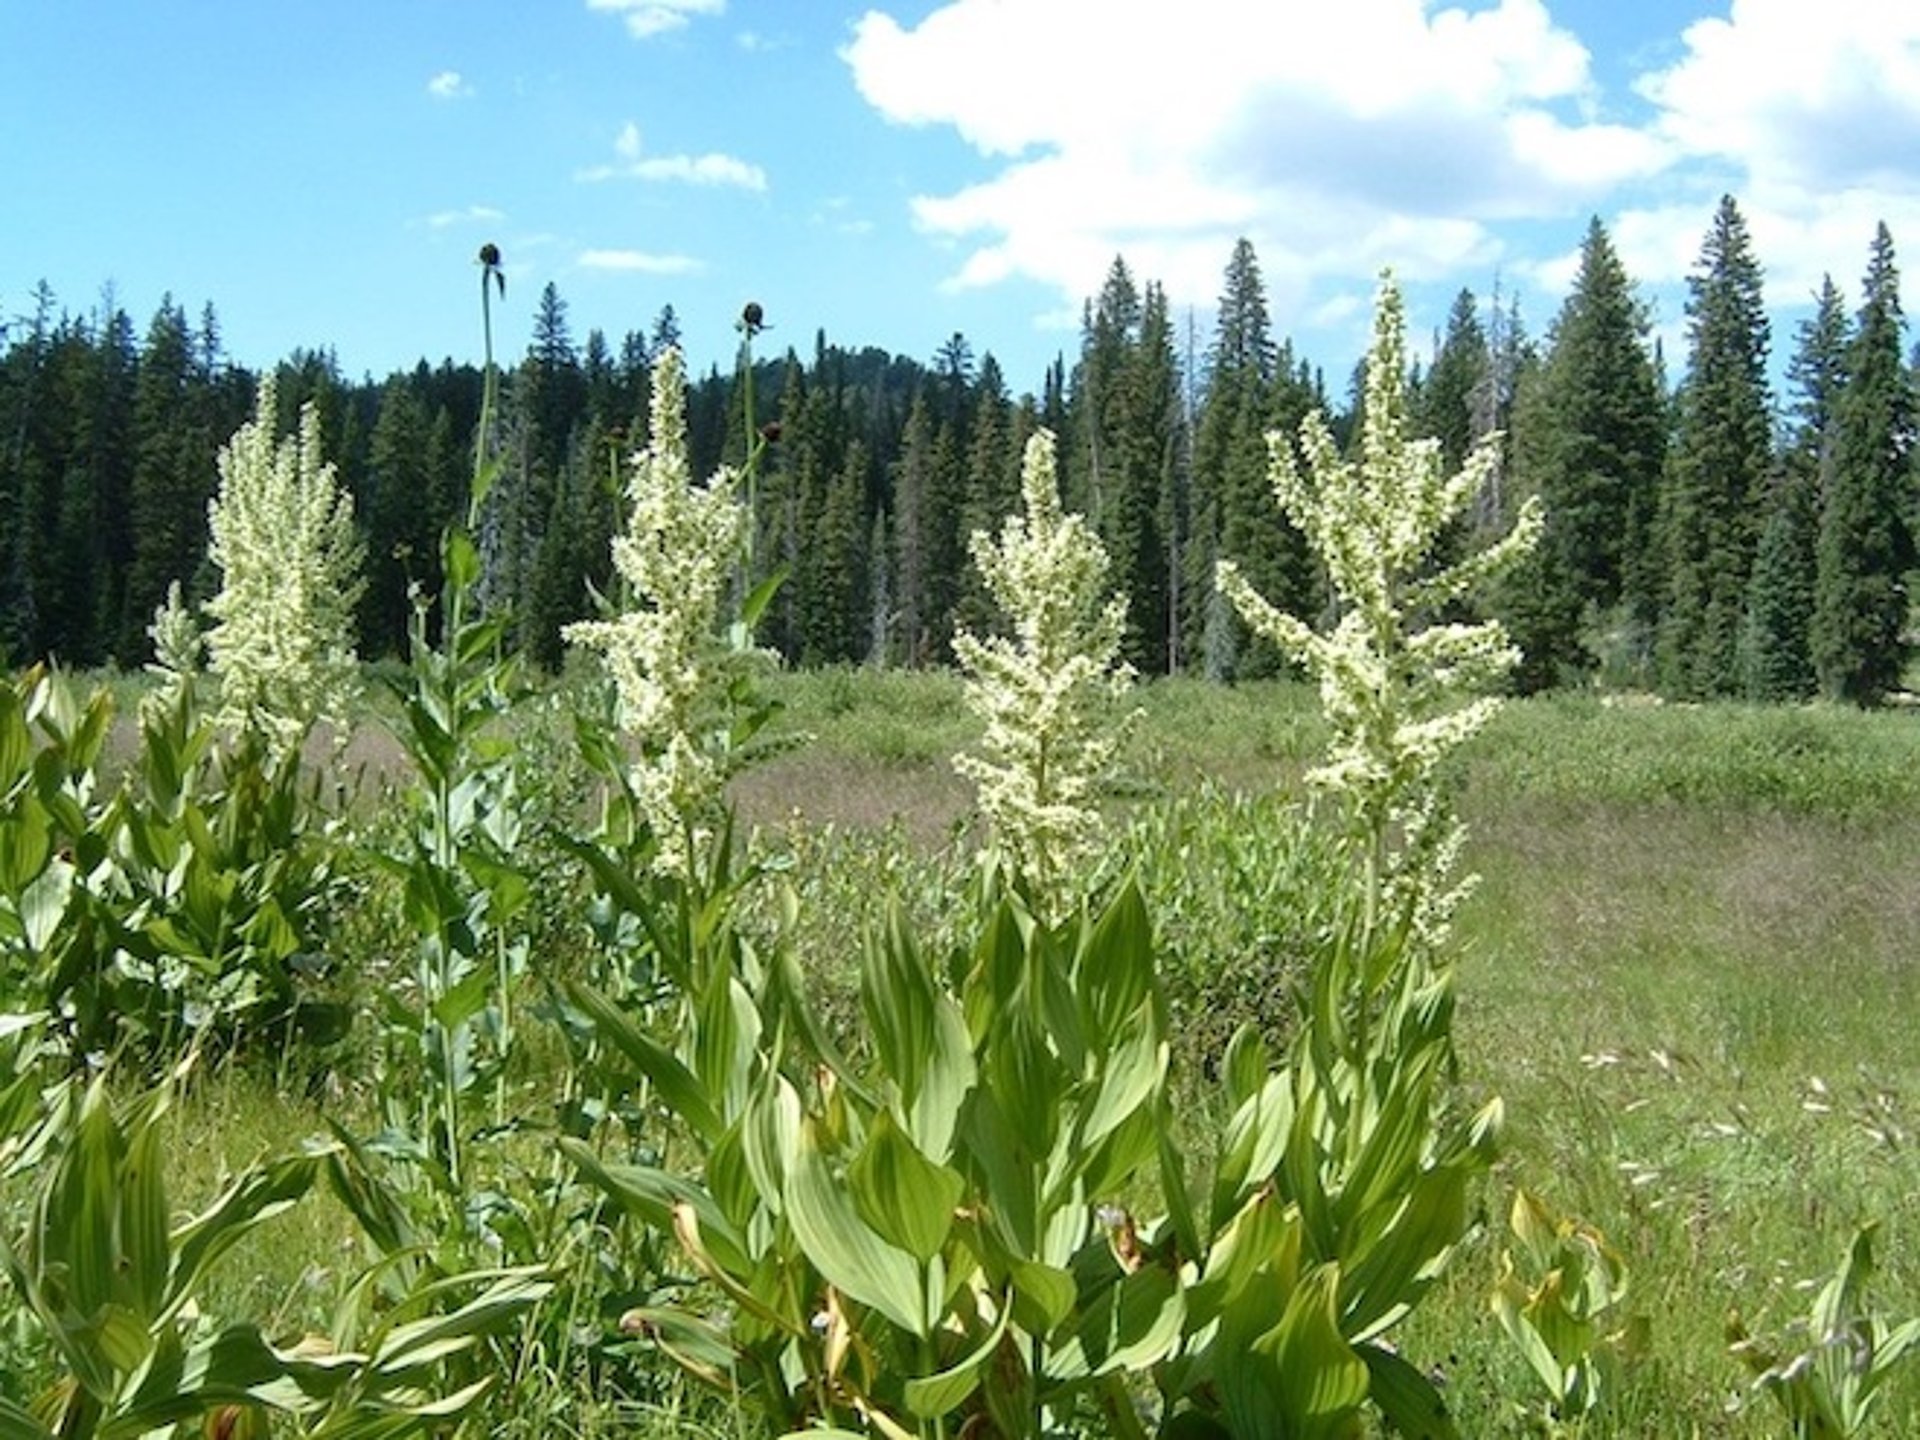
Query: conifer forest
{"points": [[1711, 532], [869, 898]]}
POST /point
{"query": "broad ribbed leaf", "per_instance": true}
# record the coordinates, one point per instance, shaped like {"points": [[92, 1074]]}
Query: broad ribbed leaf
{"points": [[1128, 1325], [1258, 1250], [256, 1196], [948, 1075], [931, 1396], [1135, 1063], [1256, 1141], [675, 1083], [650, 1195], [1327, 1379], [769, 1135], [844, 1248], [508, 1293], [143, 1219], [1049, 1292], [28, 842], [1392, 1269], [907, 1198], [19, 1424], [1246, 1065], [1405, 1398], [1116, 964]]}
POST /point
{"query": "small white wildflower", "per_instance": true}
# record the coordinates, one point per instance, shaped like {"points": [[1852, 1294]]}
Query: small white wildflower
{"points": [[178, 650], [673, 671], [1395, 691], [284, 543], [1048, 692]]}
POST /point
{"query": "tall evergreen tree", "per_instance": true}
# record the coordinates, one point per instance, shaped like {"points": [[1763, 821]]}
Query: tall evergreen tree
{"points": [[1589, 431], [1251, 389], [1448, 409], [1717, 469], [401, 523], [1776, 658], [172, 481], [1865, 544]]}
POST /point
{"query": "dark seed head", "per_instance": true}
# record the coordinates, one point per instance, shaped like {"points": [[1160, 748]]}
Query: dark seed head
{"points": [[771, 432], [490, 254], [753, 317]]}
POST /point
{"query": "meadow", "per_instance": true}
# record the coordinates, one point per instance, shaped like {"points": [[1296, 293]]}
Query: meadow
{"points": [[685, 1047], [1687, 970]]}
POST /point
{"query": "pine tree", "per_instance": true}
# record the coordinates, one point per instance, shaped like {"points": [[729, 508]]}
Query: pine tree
{"points": [[1251, 389], [1775, 663], [911, 621], [173, 478], [1776, 658], [1865, 546], [1588, 437], [1461, 365], [401, 523], [1717, 469]]}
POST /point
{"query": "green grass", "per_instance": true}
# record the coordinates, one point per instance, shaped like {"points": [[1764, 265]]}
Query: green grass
{"points": [[1690, 970]]}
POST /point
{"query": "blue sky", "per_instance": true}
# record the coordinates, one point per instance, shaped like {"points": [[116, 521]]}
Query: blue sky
{"points": [[891, 174]]}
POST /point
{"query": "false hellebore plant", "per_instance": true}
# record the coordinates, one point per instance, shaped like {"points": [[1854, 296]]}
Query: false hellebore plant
{"points": [[1048, 691], [1398, 691], [677, 675], [935, 1240], [283, 540]]}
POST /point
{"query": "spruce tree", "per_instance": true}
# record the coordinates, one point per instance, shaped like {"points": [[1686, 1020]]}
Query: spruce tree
{"points": [[1251, 390], [1776, 659], [172, 480], [401, 523], [1461, 366], [1865, 545], [1717, 470], [1588, 438]]}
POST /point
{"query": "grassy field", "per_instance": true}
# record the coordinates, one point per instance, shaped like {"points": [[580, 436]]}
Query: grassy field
{"points": [[1691, 969]]}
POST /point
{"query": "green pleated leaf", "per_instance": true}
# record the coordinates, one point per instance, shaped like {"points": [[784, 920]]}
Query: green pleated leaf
{"points": [[948, 1076], [674, 1083], [1136, 1062], [25, 845], [1048, 1292], [1116, 964], [1328, 1381], [907, 1198], [143, 1219], [44, 904], [931, 1396], [1405, 1398], [844, 1248], [1128, 1325], [19, 1424]]}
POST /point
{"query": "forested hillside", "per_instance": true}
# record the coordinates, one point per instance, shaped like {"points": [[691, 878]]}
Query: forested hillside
{"points": [[1706, 535]]}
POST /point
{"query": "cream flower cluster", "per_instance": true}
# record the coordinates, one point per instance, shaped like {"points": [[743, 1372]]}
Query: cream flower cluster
{"points": [[1400, 692], [673, 672], [177, 652], [283, 540], [1048, 692]]}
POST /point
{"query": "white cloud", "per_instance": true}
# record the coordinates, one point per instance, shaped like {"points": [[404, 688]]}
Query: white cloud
{"points": [[449, 85], [1810, 115], [1801, 94], [1338, 137], [638, 262], [647, 18], [472, 215], [709, 169]]}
